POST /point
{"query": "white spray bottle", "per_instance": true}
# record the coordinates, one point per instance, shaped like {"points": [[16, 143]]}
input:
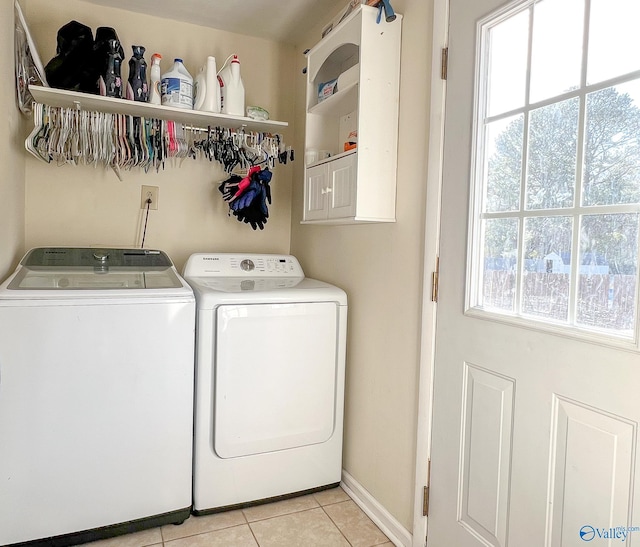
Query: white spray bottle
{"points": [[154, 79]]}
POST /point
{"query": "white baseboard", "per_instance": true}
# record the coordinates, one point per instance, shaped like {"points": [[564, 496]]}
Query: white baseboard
{"points": [[384, 520]]}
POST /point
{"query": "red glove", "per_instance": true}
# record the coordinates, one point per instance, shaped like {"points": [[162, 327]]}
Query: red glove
{"points": [[244, 183]]}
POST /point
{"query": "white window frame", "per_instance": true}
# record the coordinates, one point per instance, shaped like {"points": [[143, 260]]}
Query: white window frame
{"points": [[475, 249]]}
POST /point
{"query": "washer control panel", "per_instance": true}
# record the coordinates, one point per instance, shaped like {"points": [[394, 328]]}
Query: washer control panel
{"points": [[242, 265]]}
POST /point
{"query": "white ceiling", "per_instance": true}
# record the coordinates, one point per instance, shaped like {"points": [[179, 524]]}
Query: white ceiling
{"points": [[283, 21]]}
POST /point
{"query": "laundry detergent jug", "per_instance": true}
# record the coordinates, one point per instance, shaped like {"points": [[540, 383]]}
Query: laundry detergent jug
{"points": [[177, 87]]}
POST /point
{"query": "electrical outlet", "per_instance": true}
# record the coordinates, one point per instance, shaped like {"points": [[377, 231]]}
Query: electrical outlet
{"points": [[152, 193]]}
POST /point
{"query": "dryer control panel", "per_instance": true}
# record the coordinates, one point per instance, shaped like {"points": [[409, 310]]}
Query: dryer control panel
{"points": [[242, 265]]}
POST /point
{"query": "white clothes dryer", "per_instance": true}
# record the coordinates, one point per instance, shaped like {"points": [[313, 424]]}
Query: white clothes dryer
{"points": [[96, 395], [270, 364]]}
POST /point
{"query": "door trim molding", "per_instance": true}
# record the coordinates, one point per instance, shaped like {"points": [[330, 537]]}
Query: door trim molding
{"points": [[431, 249], [384, 520]]}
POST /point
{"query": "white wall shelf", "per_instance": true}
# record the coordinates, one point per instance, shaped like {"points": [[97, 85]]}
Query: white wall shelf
{"points": [[85, 101], [358, 186]]}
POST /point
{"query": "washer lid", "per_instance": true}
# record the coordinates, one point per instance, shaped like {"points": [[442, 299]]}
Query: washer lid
{"points": [[94, 269]]}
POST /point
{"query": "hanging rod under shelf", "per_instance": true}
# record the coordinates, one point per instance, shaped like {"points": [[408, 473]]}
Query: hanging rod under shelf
{"points": [[85, 101]]}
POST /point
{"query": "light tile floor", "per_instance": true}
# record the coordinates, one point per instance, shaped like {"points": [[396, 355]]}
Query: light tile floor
{"points": [[329, 518]]}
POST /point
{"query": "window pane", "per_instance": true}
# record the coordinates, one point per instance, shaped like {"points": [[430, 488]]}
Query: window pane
{"points": [[504, 171], [565, 150], [551, 165], [547, 267], [608, 272], [508, 64], [614, 40], [556, 57], [500, 263], [612, 148]]}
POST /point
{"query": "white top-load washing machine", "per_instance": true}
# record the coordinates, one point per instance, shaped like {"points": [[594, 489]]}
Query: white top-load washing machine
{"points": [[96, 395], [270, 362]]}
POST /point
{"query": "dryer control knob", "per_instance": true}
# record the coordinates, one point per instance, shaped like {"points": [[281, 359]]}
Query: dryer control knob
{"points": [[102, 256], [247, 265]]}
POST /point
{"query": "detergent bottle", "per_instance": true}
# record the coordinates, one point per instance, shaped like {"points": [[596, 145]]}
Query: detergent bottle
{"points": [[212, 98], [232, 89], [207, 95], [177, 86], [200, 88]]}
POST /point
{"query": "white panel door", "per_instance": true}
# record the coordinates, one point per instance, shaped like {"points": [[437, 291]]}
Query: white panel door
{"points": [[535, 417], [275, 377]]}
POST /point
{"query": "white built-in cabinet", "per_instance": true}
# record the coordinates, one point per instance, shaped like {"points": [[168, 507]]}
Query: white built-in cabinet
{"points": [[356, 186]]}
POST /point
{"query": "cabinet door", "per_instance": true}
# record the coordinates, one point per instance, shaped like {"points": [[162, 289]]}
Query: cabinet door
{"points": [[342, 187], [316, 184]]}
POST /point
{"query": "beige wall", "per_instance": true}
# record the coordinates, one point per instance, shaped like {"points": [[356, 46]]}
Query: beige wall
{"points": [[380, 267], [11, 154], [87, 206]]}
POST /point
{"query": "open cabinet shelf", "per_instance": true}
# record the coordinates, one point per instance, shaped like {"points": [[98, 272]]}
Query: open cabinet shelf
{"points": [[360, 61], [85, 101], [339, 104]]}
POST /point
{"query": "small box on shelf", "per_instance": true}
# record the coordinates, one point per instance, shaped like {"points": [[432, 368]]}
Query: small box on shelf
{"points": [[326, 89]]}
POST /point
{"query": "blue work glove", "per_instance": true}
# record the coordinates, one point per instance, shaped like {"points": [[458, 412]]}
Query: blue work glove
{"points": [[247, 197]]}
